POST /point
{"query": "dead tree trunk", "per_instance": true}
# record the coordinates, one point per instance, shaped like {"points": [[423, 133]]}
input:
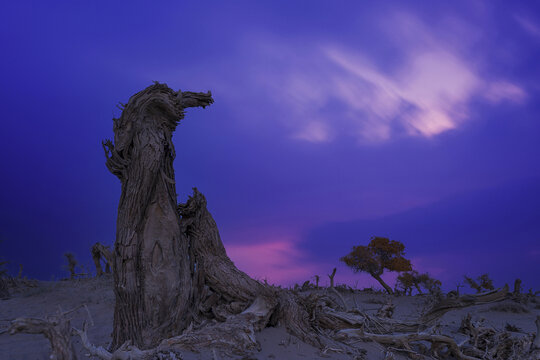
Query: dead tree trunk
{"points": [[71, 264], [99, 252], [517, 287], [381, 281], [152, 271], [331, 276]]}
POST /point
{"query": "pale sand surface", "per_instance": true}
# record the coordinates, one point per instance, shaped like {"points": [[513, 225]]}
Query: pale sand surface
{"points": [[97, 294]]}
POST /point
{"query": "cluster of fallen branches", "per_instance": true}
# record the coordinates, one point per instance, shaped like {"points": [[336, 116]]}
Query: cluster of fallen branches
{"points": [[338, 330], [485, 342]]}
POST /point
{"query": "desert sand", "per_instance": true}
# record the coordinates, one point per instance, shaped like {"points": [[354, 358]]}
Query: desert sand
{"points": [[48, 297]]}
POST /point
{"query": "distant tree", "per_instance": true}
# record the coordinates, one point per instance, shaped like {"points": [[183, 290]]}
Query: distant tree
{"points": [[486, 282], [331, 277], [517, 287], [472, 283], [3, 270], [379, 255], [410, 279], [71, 264], [433, 286], [407, 281], [101, 253], [483, 282]]}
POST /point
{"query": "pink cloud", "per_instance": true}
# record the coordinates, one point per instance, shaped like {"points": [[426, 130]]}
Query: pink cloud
{"points": [[435, 83], [279, 261], [315, 131], [426, 94], [498, 91]]}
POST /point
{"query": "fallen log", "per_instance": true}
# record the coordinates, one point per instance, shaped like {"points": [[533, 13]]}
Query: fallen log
{"points": [[445, 305]]}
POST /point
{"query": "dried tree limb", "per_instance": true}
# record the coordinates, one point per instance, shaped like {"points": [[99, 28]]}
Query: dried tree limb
{"points": [[405, 340], [341, 298], [442, 307], [93, 350], [56, 329]]}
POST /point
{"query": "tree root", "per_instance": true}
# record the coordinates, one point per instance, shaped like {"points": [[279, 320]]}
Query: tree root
{"points": [[56, 329]]}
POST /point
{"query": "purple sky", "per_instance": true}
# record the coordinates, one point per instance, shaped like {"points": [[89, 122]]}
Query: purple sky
{"points": [[332, 122]]}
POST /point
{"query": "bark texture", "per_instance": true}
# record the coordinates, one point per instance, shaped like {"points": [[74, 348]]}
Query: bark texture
{"points": [[151, 266]]}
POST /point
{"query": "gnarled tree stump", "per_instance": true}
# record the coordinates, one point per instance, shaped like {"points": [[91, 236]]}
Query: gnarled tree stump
{"points": [[151, 267]]}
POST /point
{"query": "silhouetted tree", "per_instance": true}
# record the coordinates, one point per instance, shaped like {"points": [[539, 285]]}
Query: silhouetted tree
{"points": [[3, 270], [486, 282], [407, 281], [483, 282], [517, 287], [101, 252], [410, 279], [331, 277], [379, 255], [433, 286], [71, 264]]}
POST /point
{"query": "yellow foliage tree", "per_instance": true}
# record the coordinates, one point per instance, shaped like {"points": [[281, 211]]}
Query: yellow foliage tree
{"points": [[379, 255]]}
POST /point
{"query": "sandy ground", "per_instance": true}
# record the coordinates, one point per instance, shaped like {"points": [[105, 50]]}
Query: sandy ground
{"points": [[97, 293]]}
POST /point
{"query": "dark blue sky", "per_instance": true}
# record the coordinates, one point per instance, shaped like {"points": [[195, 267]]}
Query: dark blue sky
{"points": [[332, 122]]}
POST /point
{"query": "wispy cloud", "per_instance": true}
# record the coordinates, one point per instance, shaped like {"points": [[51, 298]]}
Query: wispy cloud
{"points": [[427, 97], [528, 25], [326, 91], [498, 91]]}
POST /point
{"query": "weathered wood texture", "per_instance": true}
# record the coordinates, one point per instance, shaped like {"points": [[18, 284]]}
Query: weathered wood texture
{"points": [[151, 267], [56, 329]]}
